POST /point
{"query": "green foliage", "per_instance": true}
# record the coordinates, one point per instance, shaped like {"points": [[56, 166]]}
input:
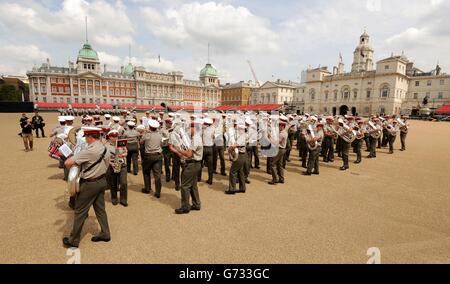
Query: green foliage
{"points": [[9, 93]]}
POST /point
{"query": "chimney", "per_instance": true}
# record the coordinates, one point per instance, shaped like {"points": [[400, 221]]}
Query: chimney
{"points": [[104, 68], [121, 69]]}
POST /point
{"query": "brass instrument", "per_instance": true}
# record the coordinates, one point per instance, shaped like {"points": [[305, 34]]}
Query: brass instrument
{"points": [[75, 137], [312, 144], [233, 153], [402, 124], [375, 132], [348, 134]]}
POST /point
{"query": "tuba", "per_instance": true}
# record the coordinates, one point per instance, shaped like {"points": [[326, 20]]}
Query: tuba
{"points": [[75, 137], [349, 135], [375, 132], [312, 145]]}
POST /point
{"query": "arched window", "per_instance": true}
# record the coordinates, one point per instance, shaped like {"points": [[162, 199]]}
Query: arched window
{"points": [[345, 94], [312, 94], [384, 91]]}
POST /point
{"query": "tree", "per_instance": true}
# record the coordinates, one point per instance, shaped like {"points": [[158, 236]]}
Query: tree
{"points": [[9, 93]]}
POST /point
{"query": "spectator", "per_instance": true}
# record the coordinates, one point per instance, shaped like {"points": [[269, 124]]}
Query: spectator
{"points": [[38, 123]]}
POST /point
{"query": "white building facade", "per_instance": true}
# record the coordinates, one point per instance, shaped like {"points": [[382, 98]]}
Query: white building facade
{"points": [[392, 86], [277, 92]]}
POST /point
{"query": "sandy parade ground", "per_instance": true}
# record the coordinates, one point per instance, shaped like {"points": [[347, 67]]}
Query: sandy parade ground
{"points": [[398, 203]]}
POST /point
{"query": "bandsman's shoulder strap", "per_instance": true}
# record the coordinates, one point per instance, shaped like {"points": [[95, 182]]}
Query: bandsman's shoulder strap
{"points": [[96, 163]]}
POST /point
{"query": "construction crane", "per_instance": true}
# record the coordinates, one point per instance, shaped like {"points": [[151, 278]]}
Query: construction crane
{"points": [[253, 73]]}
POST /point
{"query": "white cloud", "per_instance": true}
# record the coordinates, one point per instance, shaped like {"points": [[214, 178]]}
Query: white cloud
{"points": [[427, 40], [19, 58], [108, 22], [229, 29], [151, 63], [24, 53]]}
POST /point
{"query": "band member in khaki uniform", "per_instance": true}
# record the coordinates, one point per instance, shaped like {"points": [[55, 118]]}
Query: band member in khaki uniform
{"points": [[252, 150], [237, 167], [192, 158], [291, 137], [393, 130], [375, 135], [314, 144], [328, 144], [116, 174], [93, 163], [277, 161], [345, 145], [152, 158], [208, 143], [358, 143], [132, 135], [248, 149], [219, 148], [167, 154], [176, 160], [403, 133], [116, 125]]}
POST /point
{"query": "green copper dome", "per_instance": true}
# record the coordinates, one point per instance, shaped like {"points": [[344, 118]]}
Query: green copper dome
{"points": [[87, 52], [208, 70], [128, 70]]}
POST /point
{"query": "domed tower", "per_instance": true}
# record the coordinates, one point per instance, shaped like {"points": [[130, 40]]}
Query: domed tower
{"points": [[209, 76], [87, 59], [363, 55]]}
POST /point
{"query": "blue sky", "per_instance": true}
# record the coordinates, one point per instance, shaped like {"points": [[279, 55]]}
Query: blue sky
{"points": [[280, 38]]}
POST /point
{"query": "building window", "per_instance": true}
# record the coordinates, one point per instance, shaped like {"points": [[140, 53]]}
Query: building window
{"points": [[326, 96], [386, 67], [53, 89], [60, 90], [76, 100], [53, 80], [417, 83], [440, 96], [382, 110], [346, 94], [355, 95], [385, 92], [429, 83], [442, 82], [368, 94], [415, 96], [366, 110]]}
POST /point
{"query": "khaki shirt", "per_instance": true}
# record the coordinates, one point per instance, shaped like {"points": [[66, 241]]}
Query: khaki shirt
{"points": [[197, 147], [111, 149], [283, 139], [208, 136], [58, 130], [132, 136], [89, 156], [165, 137], [152, 142]]}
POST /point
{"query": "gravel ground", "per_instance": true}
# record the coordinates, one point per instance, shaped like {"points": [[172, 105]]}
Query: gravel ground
{"points": [[398, 203]]}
